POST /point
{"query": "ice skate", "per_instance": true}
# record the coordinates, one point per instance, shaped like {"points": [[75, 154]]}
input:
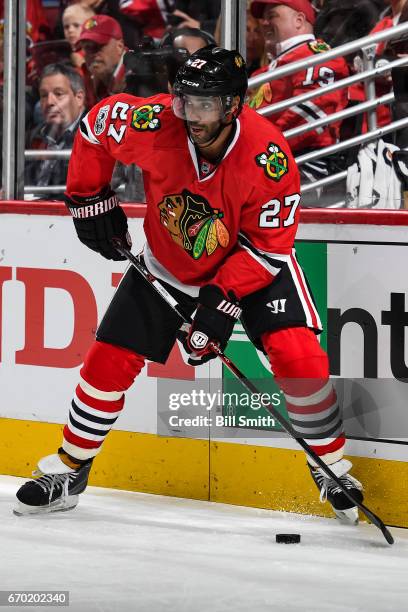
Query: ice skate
{"points": [[343, 508], [61, 480]]}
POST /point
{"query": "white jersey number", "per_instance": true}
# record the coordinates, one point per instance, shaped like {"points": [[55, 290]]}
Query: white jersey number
{"points": [[269, 217], [324, 76], [119, 111]]}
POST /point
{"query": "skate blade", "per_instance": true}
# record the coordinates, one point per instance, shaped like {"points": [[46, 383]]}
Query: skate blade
{"points": [[347, 517], [59, 505]]}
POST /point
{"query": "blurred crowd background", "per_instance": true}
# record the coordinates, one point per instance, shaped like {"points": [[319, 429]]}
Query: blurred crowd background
{"points": [[79, 52]]}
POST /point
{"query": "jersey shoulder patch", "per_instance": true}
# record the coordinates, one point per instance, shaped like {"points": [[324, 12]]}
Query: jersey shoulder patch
{"points": [[318, 46], [145, 118], [274, 162]]}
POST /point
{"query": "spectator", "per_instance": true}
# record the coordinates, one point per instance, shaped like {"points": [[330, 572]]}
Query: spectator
{"points": [[73, 18], [37, 24], [384, 52], [340, 22], [201, 14], [255, 44], [188, 39], [151, 16], [62, 100], [288, 32], [101, 41]]}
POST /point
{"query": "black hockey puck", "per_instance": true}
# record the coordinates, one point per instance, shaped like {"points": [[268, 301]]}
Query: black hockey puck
{"points": [[288, 538]]}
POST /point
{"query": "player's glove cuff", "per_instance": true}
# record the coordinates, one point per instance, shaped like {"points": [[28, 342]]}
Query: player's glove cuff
{"points": [[211, 296], [99, 219], [213, 322]]}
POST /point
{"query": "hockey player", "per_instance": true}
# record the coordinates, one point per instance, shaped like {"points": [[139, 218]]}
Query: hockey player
{"points": [[222, 212]]}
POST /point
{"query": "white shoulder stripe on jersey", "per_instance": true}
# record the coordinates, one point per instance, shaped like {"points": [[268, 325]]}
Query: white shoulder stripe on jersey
{"points": [[86, 131]]}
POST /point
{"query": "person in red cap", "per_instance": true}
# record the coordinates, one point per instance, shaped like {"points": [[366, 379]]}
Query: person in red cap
{"points": [[288, 30], [101, 41]]}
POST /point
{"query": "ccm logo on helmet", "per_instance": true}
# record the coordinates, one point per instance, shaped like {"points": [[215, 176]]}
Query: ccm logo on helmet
{"points": [[191, 83]]}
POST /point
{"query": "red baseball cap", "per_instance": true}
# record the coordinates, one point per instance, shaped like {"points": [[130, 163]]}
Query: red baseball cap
{"points": [[303, 6], [100, 29]]}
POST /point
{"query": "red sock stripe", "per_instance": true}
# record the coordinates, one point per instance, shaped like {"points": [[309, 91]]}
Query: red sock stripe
{"points": [[337, 444], [81, 442], [330, 400], [98, 404]]}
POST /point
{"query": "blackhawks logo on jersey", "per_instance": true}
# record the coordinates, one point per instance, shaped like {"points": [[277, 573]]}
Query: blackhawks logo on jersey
{"points": [[318, 46], [274, 162], [144, 118], [193, 224]]}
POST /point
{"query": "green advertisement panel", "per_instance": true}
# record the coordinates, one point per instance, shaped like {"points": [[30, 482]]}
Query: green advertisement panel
{"points": [[312, 257]]}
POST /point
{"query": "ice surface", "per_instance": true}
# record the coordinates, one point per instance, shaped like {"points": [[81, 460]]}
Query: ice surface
{"points": [[123, 551]]}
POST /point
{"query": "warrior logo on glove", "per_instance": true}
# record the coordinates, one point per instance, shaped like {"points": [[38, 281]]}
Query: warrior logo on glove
{"points": [[198, 340], [193, 224]]}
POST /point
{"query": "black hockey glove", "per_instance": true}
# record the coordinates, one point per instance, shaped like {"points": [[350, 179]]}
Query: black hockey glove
{"points": [[214, 321], [97, 220]]}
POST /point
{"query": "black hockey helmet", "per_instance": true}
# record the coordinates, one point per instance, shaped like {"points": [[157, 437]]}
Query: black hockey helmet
{"points": [[213, 71]]}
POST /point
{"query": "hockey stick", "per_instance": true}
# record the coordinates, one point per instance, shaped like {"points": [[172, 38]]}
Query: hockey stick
{"points": [[251, 387]]}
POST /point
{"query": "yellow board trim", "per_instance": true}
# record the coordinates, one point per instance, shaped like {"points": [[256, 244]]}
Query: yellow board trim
{"points": [[245, 475], [130, 461]]}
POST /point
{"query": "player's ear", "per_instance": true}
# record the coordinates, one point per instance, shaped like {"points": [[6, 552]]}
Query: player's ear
{"points": [[235, 104]]}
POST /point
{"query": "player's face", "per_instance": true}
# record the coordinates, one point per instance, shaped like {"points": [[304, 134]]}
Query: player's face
{"points": [[279, 22], [203, 116], [59, 104]]}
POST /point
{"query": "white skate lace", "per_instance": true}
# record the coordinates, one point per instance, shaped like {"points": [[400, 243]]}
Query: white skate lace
{"points": [[328, 485], [50, 482]]}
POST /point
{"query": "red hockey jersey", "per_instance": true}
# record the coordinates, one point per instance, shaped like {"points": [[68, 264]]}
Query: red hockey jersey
{"points": [[235, 226], [302, 82]]}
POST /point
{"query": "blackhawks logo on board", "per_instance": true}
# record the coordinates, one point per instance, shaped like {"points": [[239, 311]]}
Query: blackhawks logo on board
{"points": [[144, 118], [193, 224], [319, 46], [274, 162]]}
